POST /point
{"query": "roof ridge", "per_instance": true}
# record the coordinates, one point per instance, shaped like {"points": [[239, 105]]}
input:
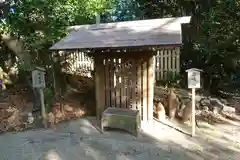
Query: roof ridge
{"points": [[137, 23], [128, 33]]}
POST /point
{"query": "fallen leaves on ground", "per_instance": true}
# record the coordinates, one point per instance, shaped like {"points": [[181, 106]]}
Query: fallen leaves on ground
{"points": [[211, 117], [66, 110], [13, 106]]}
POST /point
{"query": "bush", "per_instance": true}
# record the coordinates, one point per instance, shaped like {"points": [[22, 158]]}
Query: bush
{"points": [[172, 80]]}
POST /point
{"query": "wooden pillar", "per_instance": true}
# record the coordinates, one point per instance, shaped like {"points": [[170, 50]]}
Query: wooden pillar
{"points": [[178, 60], [99, 86], [145, 89], [139, 87], [150, 87]]}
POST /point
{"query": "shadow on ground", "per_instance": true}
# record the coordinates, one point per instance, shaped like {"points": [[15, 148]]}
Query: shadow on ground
{"points": [[80, 139]]}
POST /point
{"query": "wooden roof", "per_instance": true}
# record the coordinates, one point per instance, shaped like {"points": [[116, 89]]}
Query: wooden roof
{"points": [[154, 32]]}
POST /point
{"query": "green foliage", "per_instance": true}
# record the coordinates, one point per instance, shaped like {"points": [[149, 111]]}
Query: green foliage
{"points": [[214, 33], [24, 68], [41, 23], [38, 24], [211, 41], [124, 10], [220, 34], [172, 79]]}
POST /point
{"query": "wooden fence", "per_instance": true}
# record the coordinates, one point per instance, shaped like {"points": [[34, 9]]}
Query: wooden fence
{"points": [[166, 60], [77, 63]]}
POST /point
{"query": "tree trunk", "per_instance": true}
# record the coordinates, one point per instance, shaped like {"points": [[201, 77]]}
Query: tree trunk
{"points": [[17, 47]]}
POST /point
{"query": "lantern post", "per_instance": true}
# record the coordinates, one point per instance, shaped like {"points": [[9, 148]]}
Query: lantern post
{"points": [[38, 81]]}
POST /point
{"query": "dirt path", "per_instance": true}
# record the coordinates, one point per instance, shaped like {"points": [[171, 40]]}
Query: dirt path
{"points": [[81, 140]]}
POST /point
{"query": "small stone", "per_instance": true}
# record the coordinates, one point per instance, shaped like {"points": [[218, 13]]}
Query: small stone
{"points": [[68, 108], [229, 109], [198, 112], [15, 119], [210, 107], [198, 98], [59, 115], [30, 119], [205, 108], [237, 110], [205, 102], [197, 105], [215, 103], [237, 107], [79, 112], [224, 101], [216, 110]]}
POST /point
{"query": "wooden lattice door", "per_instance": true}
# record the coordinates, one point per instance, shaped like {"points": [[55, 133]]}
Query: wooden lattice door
{"points": [[120, 82], [125, 83]]}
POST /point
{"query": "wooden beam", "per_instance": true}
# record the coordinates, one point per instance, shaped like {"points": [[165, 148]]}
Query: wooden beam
{"points": [[124, 55], [107, 87], [134, 82], [178, 66], [99, 86], [139, 87], [145, 90], [150, 87]]}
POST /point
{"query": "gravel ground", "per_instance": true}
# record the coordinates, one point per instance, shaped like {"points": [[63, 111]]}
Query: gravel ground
{"points": [[81, 140]]}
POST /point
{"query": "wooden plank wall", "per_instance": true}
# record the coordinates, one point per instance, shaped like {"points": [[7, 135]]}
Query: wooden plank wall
{"points": [[128, 84], [167, 59]]}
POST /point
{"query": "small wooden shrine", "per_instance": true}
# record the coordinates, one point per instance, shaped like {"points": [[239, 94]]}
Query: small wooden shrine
{"points": [[124, 59]]}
